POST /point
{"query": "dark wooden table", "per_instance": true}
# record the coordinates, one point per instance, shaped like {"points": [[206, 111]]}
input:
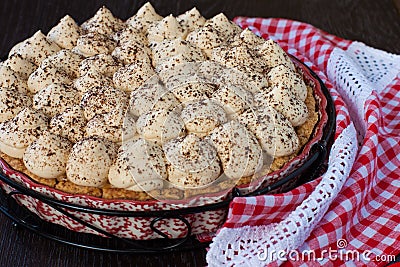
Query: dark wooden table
{"points": [[377, 23]]}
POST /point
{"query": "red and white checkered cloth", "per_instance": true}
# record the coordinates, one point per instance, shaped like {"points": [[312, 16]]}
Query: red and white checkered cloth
{"points": [[366, 212]]}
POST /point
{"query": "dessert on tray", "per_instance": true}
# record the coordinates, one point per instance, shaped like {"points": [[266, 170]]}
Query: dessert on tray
{"points": [[151, 107]]}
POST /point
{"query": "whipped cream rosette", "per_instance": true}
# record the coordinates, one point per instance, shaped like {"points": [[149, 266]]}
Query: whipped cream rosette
{"points": [[103, 22], [191, 19], [47, 156], [274, 55], [145, 16], [166, 29], [90, 160], [152, 95], [240, 153], [114, 126], [140, 166], [173, 48], [285, 102], [234, 99], [35, 48], [12, 102], [99, 100], [66, 33], [20, 65], [132, 51], [205, 38], [132, 76], [104, 64], [64, 60], [130, 33], [160, 126], [248, 38], [94, 43], [70, 124], [92, 79], [203, 116], [274, 132], [11, 79], [223, 25], [192, 92], [55, 98], [18, 133], [179, 74], [287, 77], [240, 57], [43, 77], [193, 162]]}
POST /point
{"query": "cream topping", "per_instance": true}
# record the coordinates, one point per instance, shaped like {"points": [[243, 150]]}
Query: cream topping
{"points": [[99, 100], [191, 19], [205, 38], [241, 57], [16, 48], [212, 71], [131, 52], [151, 96], [274, 55], [70, 124], [64, 60], [274, 132], [240, 153], [66, 33], [255, 81], [168, 28], [193, 162], [11, 103], [11, 151], [171, 48], [47, 156], [249, 38], [37, 48], [94, 43], [130, 34], [131, 77], [203, 116], [223, 25], [43, 77], [90, 160], [218, 113], [172, 62], [233, 99], [19, 132], [140, 165], [249, 80], [20, 65], [191, 92], [292, 80], [285, 102], [179, 74], [55, 98], [115, 130], [101, 63], [103, 22], [11, 79], [160, 126], [92, 79], [145, 16]]}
